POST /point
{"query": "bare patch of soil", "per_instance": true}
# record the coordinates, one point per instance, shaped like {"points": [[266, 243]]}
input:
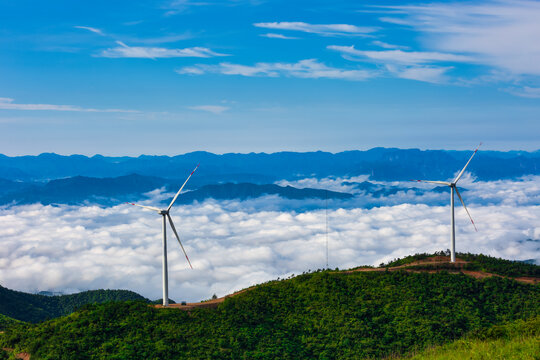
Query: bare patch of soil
{"points": [[212, 304], [22, 356], [436, 260]]}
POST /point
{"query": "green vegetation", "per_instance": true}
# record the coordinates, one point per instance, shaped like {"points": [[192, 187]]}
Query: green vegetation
{"points": [[160, 301], [321, 315], [34, 308], [475, 262], [437, 267], [519, 340], [411, 258], [6, 321], [499, 266]]}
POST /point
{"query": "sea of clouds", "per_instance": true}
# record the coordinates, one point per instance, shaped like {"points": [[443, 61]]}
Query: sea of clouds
{"points": [[235, 244]]}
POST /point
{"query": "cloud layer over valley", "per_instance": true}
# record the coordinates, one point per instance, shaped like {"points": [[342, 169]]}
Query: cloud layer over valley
{"points": [[235, 244]]}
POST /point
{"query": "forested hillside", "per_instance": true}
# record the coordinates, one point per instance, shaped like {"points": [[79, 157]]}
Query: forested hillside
{"points": [[6, 321], [322, 315], [35, 308]]}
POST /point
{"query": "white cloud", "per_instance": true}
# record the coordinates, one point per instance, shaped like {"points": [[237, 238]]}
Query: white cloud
{"points": [[329, 183], [499, 35], [192, 70], [400, 56], [522, 192], [9, 104], [309, 68], [161, 39], [320, 29], [431, 74], [409, 65], [214, 109], [278, 36], [388, 46], [91, 29], [233, 246], [396, 21], [503, 34], [526, 91], [125, 51], [178, 6]]}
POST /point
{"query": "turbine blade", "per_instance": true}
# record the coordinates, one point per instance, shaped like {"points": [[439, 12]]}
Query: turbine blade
{"points": [[467, 164], [179, 191], [462, 203], [145, 207], [178, 238], [434, 182]]}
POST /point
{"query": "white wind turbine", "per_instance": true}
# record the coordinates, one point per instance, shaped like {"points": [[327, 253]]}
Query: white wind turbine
{"points": [[165, 214], [453, 187]]}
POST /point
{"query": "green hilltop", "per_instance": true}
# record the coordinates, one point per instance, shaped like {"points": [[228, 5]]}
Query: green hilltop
{"points": [[472, 262], [34, 308], [368, 313], [7, 322]]}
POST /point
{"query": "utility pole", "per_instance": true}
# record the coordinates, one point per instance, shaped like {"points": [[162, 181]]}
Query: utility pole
{"points": [[326, 192]]}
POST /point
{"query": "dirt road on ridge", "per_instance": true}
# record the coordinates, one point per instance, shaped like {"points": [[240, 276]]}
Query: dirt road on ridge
{"points": [[434, 260]]}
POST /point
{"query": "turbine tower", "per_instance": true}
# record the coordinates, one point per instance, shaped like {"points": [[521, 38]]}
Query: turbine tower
{"points": [[165, 214], [453, 187]]}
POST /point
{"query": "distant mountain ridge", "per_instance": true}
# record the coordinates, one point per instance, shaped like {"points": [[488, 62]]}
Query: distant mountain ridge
{"points": [[378, 190], [380, 163], [79, 180], [112, 191], [80, 189], [245, 191]]}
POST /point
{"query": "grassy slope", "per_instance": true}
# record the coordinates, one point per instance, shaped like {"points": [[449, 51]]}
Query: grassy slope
{"points": [[516, 340], [321, 315]]}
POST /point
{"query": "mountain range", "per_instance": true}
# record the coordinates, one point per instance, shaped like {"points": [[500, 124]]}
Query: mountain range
{"points": [[77, 179], [387, 164], [80, 190]]}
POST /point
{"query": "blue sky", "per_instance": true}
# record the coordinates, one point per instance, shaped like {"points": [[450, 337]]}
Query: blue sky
{"points": [[168, 77]]}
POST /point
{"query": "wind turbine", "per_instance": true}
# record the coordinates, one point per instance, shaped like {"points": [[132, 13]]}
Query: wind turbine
{"points": [[453, 188], [165, 214]]}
